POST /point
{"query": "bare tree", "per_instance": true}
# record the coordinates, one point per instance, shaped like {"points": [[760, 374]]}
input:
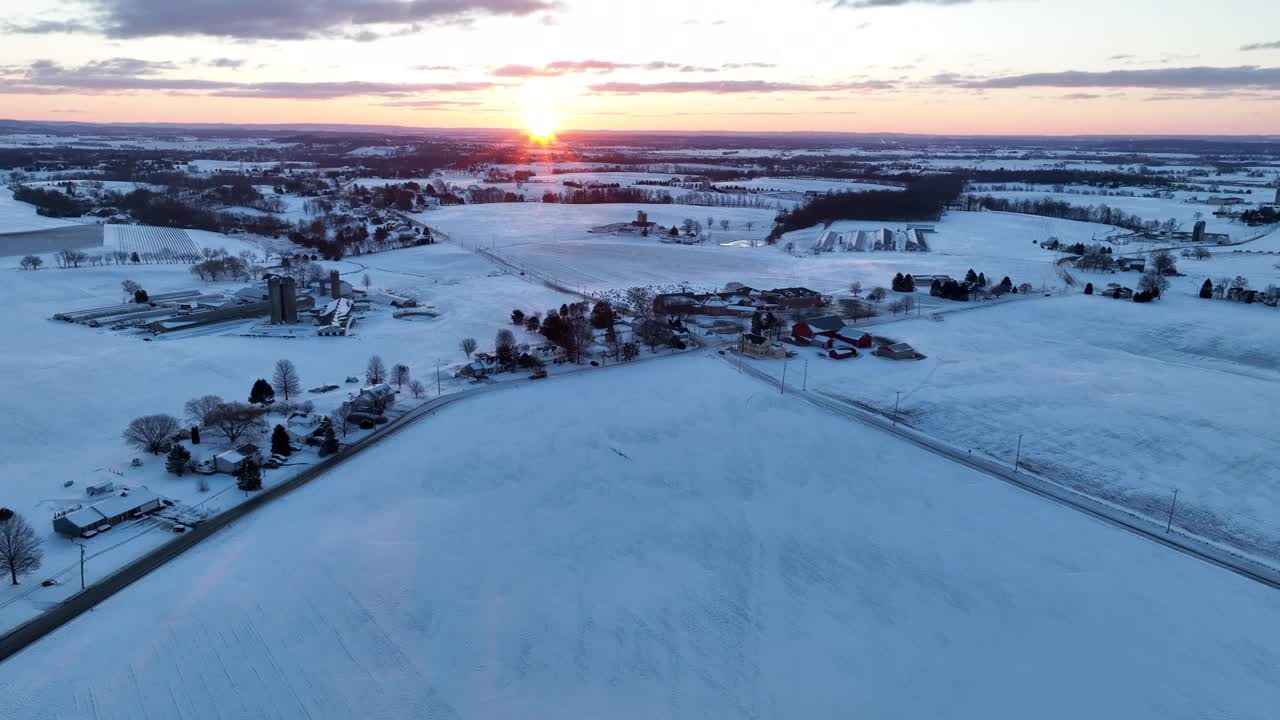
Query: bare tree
{"points": [[583, 336], [342, 418], [376, 370], [400, 375], [285, 380], [417, 388], [31, 262], [640, 300], [749, 225], [1153, 282], [724, 224], [152, 433], [236, 421], [366, 281], [20, 551], [130, 287], [468, 346], [197, 409], [855, 288], [877, 294], [1164, 262]]}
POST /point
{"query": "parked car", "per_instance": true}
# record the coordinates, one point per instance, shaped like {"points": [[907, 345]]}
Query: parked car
{"points": [[538, 375]]}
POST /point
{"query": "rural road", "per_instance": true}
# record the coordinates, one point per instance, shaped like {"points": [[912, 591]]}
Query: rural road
{"points": [[1111, 514]]}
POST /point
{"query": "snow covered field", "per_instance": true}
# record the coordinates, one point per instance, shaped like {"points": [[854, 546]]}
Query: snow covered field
{"points": [[554, 240], [102, 378], [654, 558], [1124, 400]]}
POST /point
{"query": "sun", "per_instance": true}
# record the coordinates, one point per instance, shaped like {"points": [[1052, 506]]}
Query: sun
{"points": [[542, 123]]}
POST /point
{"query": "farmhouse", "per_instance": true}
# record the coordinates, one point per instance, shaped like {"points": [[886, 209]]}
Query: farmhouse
{"points": [[102, 515], [232, 461], [373, 399], [760, 346]]}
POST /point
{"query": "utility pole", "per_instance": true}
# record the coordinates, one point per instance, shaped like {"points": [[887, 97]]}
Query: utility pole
{"points": [[1018, 455], [896, 397], [1169, 525], [805, 384], [82, 566], [782, 388], [437, 379]]}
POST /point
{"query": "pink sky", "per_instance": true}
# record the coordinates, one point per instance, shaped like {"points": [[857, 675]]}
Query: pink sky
{"points": [[980, 67]]}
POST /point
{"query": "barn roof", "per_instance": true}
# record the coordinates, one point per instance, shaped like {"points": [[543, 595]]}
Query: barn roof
{"points": [[826, 323]]}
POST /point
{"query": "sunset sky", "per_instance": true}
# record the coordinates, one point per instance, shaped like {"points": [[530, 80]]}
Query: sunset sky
{"points": [[939, 66]]}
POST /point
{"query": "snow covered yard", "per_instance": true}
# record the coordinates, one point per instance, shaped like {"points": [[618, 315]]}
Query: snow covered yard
{"points": [[1124, 400], [91, 382], [686, 543]]}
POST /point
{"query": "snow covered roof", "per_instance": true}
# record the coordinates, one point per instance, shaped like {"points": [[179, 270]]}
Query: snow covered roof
{"points": [[826, 323], [111, 507]]}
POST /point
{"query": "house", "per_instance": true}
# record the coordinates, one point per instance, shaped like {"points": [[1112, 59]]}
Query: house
{"points": [[231, 461], [88, 521], [793, 298], [373, 399], [760, 346], [897, 351], [100, 488], [809, 330], [1228, 200]]}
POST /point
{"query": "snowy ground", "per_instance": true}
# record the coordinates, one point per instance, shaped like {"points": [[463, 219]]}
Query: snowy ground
{"points": [[1160, 209], [554, 240], [103, 378], [1124, 400], [655, 558]]}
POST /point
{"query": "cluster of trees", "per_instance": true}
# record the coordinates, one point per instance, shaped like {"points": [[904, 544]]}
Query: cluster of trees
{"points": [[603, 195], [904, 283], [219, 265], [52, 203], [1260, 216], [1223, 288], [924, 198], [1048, 207]]}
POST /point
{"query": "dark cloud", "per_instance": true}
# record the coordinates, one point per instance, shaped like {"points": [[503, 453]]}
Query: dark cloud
{"points": [[1080, 96], [281, 19], [46, 77], [1245, 76], [230, 63], [1261, 46], [726, 87]]}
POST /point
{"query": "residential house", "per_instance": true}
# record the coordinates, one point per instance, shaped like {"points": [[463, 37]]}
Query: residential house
{"points": [[89, 521]]}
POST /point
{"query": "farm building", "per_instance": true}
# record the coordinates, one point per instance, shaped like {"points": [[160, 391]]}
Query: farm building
{"points": [[232, 460], [897, 351], [395, 301], [102, 515], [739, 302], [842, 353], [760, 346], [822, 327], [853, 338]]}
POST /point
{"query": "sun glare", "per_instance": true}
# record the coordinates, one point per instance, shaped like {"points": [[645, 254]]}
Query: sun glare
{"points": [[541, 123]]}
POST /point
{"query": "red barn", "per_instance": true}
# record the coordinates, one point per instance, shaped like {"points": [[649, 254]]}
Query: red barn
{"points": [[853, 338], [842, 354], [818, 329]]}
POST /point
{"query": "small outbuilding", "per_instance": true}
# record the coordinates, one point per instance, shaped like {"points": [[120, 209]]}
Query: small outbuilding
{"points": [[232, 460], [842, 353], [897, 351]]}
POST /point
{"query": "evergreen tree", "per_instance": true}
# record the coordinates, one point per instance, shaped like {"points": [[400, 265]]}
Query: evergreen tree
{"points": [[1088, 289], [249, 477], [602, 315], [177, 460], [195, 435], [971, 277], [1006, 283], [982, 280], [261, 393], [517, 317], [675, 231], [280, 442], [330, 444], [896, 284], [140, 296], [1206, 290], [757, 323], [908, 283]]}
